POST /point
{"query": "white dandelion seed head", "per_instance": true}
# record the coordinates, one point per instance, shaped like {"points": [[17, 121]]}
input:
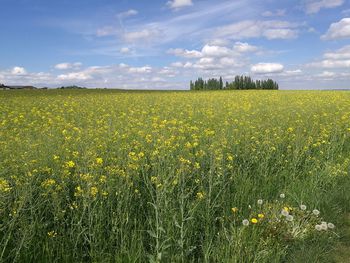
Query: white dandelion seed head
{"points": [[303, 207], [282, 195], [331, 226], [289, 218], [318, 227], [316, 212], [260, 202], [284, 212], [245, 222], [324, 226]]}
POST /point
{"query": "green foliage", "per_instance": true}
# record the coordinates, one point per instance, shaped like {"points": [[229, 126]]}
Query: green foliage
{"points": [[240, 83]]}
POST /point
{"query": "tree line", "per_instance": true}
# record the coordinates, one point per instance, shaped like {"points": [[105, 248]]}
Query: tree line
{"points": [[239, 83]]}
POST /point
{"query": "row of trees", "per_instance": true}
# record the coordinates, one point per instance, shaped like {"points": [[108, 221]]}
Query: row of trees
{"points": [[240, 83]]}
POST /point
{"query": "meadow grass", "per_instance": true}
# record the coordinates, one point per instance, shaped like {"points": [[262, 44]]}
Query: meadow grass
{"points": [[112, 176]]}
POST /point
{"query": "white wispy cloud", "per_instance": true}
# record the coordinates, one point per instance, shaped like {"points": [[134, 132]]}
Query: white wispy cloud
{"points": [[278, 12], [130, 12], [337, 59], [66, 66], [270, 29], [314, 6]]}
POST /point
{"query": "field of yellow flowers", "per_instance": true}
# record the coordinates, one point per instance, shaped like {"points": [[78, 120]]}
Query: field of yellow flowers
{"points": [[223, 176]]}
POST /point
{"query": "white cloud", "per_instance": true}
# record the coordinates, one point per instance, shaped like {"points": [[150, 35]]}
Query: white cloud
{"points": [[342, 53], [244, 47], [279, 12], [75, 76], [145, 69], [265, 68], [228, 62], [271, 29], [65, 66], [130, 12], [336, 59], [314, 6], [280, 33], [18, 71], [326, 75], [143, 35], [185, 53], [293, 72], [177, 4], [106, 31], [328, 63], [215, 51], [125, 50], [338, 30]]}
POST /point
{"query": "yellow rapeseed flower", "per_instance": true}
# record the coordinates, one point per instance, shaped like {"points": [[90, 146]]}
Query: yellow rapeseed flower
{"points": [[200, 195], [234, 209], [70, 164], [254, 221]]}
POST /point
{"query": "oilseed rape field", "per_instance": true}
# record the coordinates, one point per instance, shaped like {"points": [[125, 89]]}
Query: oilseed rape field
{"points": [[221, 176]]}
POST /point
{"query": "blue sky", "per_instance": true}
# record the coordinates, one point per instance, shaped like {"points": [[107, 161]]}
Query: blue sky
{"points": [[163, 44]]}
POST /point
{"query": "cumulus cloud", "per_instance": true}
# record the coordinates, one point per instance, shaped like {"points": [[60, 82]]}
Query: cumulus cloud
{"points": [[338, 30], [266, 68], [66, 66], [215, 51], [314, 6], [18, 71], [177, 4], [271, 29]]}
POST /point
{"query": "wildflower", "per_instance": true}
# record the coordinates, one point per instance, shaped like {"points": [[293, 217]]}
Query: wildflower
{"points": [[99, 161], [245, 222], [289, 218], [93, 191], [318, 227], [52, 234], [254, 220], [324, 225], [282, 196], [200, 195], [331, 226], [70, 164], [234, 209], [261, 216], [303, 207], [4, 186], [315, 212], [284, 212], [260, 202]]}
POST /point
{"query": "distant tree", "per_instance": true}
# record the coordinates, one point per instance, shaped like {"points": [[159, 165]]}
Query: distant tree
{"points": [[240, 83], [221, 83]]}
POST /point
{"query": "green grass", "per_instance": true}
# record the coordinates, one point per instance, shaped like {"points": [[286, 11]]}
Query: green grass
{"points": [[111, 176]]}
